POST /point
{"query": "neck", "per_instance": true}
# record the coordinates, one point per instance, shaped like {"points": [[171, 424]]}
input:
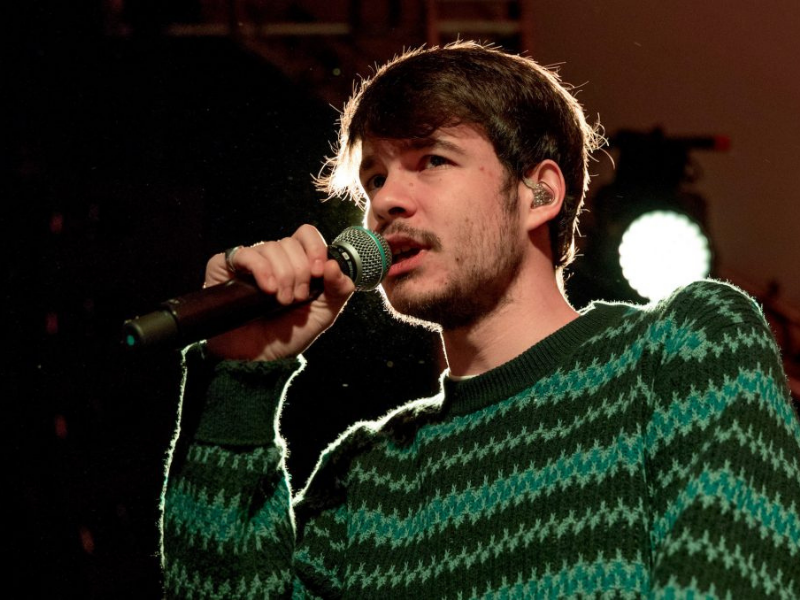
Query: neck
{"points": [[534, 309]]}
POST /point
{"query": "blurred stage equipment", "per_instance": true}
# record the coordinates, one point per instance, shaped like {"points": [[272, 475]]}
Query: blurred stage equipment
{"points": [[649, 233]]}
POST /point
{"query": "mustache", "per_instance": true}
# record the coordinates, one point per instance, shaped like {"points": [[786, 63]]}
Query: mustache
{"points": [[426, 238]]}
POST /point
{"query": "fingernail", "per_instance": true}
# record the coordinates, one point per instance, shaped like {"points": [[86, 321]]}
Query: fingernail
{"points": [[301, 291]]}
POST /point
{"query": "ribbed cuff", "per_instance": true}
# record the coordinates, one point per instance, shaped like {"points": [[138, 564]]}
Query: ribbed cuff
{"points": [[243, 400]]}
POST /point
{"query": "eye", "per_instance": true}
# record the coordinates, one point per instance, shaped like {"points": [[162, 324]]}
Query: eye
{"points": [[431, 161], [374, 183]]}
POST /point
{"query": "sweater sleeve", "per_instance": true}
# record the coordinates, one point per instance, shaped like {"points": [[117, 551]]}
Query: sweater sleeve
{"points": [[723, 453], [228, 526]]}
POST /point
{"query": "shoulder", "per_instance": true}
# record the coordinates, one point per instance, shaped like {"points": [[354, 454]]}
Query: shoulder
{"points": [[714, 349], [708, 319], [701, 318], [710, 302]]}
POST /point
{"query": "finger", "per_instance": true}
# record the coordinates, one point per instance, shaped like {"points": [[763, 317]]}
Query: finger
{"points": [[296, 254], [274, 270], [278, 267], [220, 267], [315, 247], [256, 260], [216, 271]]}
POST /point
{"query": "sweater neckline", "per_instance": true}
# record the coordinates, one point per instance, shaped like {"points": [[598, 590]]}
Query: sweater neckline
{"points": [[474, 393]]}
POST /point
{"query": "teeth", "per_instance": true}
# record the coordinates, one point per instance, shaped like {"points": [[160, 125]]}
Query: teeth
{"points": [[402, 250]]}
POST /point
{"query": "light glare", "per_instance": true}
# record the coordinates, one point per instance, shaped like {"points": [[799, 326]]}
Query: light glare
{"points": [[661, 251]]}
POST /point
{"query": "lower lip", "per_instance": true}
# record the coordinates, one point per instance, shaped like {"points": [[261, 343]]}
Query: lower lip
{"points": [[407, 264]]}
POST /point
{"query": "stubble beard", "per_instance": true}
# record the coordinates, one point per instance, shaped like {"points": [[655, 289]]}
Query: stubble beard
{"points": [[478, 293], [471, 294]]}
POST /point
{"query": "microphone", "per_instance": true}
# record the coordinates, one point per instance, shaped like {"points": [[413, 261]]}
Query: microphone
{"points": [[364, 256]]}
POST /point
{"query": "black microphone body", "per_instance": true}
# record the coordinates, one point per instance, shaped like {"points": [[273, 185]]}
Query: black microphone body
{"points": [[363, 256]]}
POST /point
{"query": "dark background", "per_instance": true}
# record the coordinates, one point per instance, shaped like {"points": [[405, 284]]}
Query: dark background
{"points": [[134, 160], [130, 156]]}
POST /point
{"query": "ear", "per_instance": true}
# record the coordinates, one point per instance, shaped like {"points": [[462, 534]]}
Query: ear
{"points": [[541, 193]]}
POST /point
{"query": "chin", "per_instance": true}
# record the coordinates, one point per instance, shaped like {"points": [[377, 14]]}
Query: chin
{"points": [[445, 311], [407, 310]]}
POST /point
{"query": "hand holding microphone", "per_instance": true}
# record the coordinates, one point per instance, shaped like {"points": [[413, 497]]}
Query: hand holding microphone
{"points": [[295, 289]]}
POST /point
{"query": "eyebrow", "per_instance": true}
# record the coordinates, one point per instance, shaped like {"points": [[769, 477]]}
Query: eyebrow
{"points": [[431, 142]]}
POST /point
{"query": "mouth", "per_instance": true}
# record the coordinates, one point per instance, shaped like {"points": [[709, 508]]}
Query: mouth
{"points": [[406, 254]]}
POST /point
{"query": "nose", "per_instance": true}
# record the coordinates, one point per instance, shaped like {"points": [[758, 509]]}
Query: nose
{"points": [[393, 200]]}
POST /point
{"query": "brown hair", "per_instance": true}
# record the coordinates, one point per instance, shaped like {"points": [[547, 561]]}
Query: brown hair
{"points": [[522, 108]]}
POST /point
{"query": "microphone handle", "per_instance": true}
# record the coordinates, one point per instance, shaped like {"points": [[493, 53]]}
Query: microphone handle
{"points": [[205, 313], [362, 255]]}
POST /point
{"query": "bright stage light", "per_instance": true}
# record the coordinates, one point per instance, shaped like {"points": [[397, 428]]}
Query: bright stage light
{"points": [[663, 250]]}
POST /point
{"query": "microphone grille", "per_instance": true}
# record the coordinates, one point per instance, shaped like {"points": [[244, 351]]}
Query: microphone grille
{"points": [[367, 254]]}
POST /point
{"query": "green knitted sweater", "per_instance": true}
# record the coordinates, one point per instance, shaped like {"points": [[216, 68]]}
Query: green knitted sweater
{"points": [[638, 451]]}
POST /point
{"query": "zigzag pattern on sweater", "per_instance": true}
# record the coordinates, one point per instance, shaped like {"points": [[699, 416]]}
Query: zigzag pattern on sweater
{"points": [[733, 493], [560, 387], [224, 523], [586, 380], [183, 581], [460, 456], [320, 567], [628, 578], [475, 553], [694, 410], [748, 441], [624, 578], [260, 460], [659, 455], [680, 418], [474, 502], [762, 577]]}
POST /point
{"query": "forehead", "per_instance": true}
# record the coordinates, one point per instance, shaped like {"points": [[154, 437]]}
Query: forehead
{"points": [[459, 139]]}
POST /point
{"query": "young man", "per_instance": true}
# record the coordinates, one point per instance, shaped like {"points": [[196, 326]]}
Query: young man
{"points": [[619, 451]]}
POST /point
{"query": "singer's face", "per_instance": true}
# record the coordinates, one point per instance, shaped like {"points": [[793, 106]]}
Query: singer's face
{"points": [[446, 208]]}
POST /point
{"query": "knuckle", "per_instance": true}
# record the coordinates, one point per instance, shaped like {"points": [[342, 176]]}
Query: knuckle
{"points": [[269, 246], [285, 279], [215, 261], [306, 229]]}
